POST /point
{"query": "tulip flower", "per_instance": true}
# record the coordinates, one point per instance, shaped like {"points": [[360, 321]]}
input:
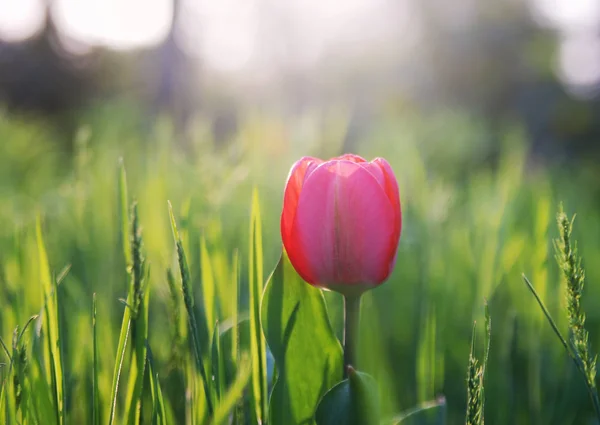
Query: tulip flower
{"points": [[341, 222], [340, 227]]}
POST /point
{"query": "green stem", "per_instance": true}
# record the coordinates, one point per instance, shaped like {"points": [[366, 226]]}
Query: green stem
{"points": [[351, 322]]}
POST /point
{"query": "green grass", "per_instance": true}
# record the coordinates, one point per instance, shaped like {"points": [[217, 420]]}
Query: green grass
{"points": [[469, 233]]}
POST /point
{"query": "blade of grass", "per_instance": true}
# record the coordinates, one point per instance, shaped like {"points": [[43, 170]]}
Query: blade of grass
{"points": [[21, 365], [159, 415], [95, 372], [6, 407], [234, 308], [123, 210], [550, 319], [126, 321], [208, 288], [235, 392], [217, 365], [123, 336], [4, 381], [3, 409], [576, 360], [5, 348], [138, 366], [53, 346], [438, 405], [63, 273], [257, 343], [487, 335], [190, 386], [426, 357], [42, 403], [486, 354]]}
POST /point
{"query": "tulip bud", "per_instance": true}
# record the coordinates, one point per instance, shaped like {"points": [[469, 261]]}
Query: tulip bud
{"points": [[341, 222]]}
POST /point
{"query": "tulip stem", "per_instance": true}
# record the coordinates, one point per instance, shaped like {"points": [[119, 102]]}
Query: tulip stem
{"points": [[351, 322]]}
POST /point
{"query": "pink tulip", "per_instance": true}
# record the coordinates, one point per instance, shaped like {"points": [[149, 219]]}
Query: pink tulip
{"points": [[341, 222]]}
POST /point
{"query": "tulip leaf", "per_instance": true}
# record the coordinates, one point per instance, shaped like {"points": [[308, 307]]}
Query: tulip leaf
{"points": [[308, 356], [430, 413], [354, 401]]}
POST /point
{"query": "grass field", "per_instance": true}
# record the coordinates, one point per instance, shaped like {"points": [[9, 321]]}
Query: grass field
{"points": [[469, 232]]}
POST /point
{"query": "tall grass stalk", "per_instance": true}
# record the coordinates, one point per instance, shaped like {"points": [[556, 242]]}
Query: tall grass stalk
{"points": [[139, 296], [188, 298]]}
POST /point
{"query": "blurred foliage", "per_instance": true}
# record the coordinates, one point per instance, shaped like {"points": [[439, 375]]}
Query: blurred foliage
{"points": [[490, 64]]}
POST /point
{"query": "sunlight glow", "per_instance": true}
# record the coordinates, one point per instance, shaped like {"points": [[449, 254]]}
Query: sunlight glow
{"points": [[228, 34], [119, 24], [568, 14], [223, 32], [20, 19], [579, 63]]}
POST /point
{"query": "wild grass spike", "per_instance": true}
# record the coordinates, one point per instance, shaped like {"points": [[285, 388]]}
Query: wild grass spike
{"points": [[475, 376], [139, 322], [138, 263], [475, 371], [577, 345], [188, 299], [175, 313], [570, 264]]}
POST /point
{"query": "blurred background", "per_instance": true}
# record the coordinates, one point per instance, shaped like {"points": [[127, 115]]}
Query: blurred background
{"points": [[488, 111], [531, 62]]}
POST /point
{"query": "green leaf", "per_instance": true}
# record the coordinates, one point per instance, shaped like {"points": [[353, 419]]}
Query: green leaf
{"points": [[354, 401], [429, 413], [258, 348], [307, 354]]}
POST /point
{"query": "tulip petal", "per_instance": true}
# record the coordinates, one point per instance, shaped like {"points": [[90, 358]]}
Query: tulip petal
{"points": [[376, 171], [344, 227], [391, 188], [300, 170], [350, 157], [393, 193]]}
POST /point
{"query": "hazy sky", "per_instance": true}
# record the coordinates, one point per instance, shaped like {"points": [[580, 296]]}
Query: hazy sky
{"points": [[235, 35]]}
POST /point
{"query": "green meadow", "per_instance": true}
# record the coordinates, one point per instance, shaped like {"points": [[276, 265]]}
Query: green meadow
{"points": [[133, 265]]}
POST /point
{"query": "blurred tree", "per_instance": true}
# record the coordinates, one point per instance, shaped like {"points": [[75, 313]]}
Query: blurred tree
{"points": [[176, 86], [39, 75]]}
